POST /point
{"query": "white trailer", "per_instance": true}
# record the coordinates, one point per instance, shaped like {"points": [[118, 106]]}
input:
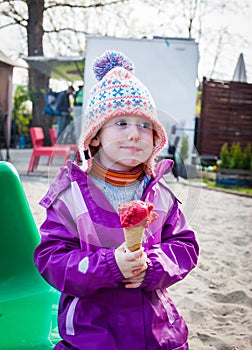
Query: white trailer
{"points": [[168, 67]]}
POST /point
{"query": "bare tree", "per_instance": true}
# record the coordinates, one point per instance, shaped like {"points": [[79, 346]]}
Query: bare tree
{"points": [[30, 15]]}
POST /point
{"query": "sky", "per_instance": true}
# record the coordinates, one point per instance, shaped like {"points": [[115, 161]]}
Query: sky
{"points": [[239, 26], [238, 40]]}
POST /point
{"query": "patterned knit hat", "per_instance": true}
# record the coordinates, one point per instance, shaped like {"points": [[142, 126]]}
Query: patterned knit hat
{"points": [[118, 93]]}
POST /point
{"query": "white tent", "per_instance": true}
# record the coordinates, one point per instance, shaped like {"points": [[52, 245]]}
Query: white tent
{"points": [[167, 66], [240, 74], [62, 67]]}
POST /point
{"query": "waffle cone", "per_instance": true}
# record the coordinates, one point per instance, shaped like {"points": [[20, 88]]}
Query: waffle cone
{"points": [[133, 237]]}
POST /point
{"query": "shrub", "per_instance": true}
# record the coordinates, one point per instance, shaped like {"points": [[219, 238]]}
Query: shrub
{"points": [[224, 157], [247, 158], [184, 148], [22, 113], [235, 158]]}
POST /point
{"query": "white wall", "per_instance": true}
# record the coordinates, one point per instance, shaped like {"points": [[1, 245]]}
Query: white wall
{"points": [[168, 67]]}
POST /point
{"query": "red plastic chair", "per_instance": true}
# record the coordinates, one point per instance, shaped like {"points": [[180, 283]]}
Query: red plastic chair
{"points": [[53, 136], [73, 147], [37, 137]]}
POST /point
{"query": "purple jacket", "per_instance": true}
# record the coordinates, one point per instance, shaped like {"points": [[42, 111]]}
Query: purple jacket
{"points": [[76, 256]]}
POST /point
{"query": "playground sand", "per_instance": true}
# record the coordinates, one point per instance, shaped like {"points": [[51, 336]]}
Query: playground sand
{"points": [[216, 297]]}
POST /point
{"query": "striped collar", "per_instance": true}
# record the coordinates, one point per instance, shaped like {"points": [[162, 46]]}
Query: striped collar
{"points": [[118, 177]]}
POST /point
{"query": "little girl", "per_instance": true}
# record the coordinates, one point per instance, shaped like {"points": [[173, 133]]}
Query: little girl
{"points": [[111, 298]]}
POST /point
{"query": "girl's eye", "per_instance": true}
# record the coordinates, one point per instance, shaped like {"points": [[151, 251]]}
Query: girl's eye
{"points": [[144, 125], [121, 123], [141, 125]]}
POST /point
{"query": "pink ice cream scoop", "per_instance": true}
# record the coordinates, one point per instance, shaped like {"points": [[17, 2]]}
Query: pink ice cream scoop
{"points": [[136, 213], [135, 216]]}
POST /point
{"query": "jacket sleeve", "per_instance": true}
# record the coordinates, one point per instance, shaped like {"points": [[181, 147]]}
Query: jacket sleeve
{"points": [[58, 102], [176, 255], [63, 264]]}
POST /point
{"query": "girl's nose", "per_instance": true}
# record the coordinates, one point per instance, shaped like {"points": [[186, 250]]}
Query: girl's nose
{"points": [[133, 132]]}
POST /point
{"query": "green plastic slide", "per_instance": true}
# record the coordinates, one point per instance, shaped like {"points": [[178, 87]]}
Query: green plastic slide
{"points": [[28, 305]]}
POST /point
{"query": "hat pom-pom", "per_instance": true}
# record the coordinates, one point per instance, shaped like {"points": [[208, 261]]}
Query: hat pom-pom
{"points": [[109, 60]]}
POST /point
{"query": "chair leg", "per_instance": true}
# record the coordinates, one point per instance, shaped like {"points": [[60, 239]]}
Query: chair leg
{"points": [[50, 160], [66, 158], [77, 157], [31, 164], [29, 167], [36, 162]]}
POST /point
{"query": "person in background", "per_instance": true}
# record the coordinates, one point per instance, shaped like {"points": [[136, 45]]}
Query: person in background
{"points": [[64, 109], [77, 112], [172, 155], [112, 298], [78, 96]]}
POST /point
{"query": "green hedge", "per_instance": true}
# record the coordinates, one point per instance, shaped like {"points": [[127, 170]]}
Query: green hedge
{"points": [[233, 157]]}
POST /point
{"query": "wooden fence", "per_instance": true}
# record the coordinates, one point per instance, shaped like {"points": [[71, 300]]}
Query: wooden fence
{"points": [[226, 116], [234, 178]]}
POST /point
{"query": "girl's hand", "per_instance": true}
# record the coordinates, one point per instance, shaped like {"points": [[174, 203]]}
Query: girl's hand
{"points": [[130, 263], [136, 281]]}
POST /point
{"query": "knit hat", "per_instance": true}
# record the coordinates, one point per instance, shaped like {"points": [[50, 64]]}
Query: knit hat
{"points": [[118, 93]]}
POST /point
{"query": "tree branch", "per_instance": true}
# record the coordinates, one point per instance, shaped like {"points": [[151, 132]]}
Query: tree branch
{"points": [[66, 29], [99, 4]]}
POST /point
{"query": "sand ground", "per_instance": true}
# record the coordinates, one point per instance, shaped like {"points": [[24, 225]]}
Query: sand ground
{"points": [[216, 297]]}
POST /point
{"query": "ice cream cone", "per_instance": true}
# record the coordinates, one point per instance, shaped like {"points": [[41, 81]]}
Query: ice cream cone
{"points": [[133, 237]]}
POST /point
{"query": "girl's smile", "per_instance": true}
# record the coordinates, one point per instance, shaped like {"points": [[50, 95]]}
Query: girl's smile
{"points": [[133, 149]]}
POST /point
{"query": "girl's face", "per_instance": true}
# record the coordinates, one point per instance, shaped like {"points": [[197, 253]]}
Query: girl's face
{"points": [[124, 142]]}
